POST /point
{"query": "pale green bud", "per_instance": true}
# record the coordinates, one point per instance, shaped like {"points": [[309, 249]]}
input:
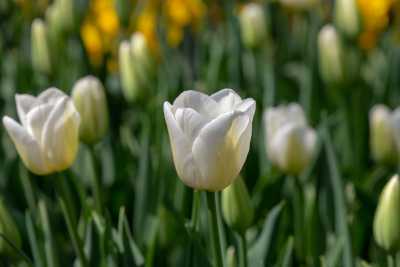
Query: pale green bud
{"points": [[40, 51], [129, 81], [60, 17], [237, 209], [91, 102], [253, 25], [387, 216], [9, 229], [330, 56], [382, 135], [347, 19]]}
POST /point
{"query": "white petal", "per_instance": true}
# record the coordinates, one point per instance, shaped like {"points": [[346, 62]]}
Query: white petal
{"points": [[27, 147], [198, 101], [60, 137], [24, 104], [214, 152], [227, 100], [35, 120], [51, 95], [190, 122], [181, 150]]}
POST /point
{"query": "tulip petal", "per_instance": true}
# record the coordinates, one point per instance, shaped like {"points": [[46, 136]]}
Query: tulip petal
{"points": [[181, 150], [190, 122], [27, 147], [198, 101], [227, 99], [51, 95], [35, 120], [24, 104], [60, 137], [214, 152]]}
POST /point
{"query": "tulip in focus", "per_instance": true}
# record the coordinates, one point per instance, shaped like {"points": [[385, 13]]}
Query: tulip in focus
{"points": [[347, 18], [387, 217], [91, 102], [331, 59], [383, 124], [236, 206], [209, 136], [9, 229], [290, 142], [47, 136], [40, 51], [253, 25]]}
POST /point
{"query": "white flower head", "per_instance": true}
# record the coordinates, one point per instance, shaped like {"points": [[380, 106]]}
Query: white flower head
{"points": [[48, 137], [290, 142], [209, 136]]}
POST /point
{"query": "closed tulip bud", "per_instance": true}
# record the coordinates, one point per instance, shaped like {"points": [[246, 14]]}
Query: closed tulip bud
{"points": [[209, 136], [330, 50], [91, 102], [253, 25], [40, 52], [347, 19], [237, 209], [141, 55], [9, 229], [387, 216], [47, 138], [290, 142], [60, 17], [382, 125], [129, 81]]}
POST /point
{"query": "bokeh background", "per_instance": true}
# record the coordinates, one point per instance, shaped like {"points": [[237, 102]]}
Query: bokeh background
{"points": [[323, 217]]}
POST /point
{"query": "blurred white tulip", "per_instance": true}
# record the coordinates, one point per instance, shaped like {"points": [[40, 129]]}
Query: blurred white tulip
{"points": [[384, 128], [91, 102], [209, 136], [347, 18], [253, 24], [48, 137], [290, 142], [40, 51]]}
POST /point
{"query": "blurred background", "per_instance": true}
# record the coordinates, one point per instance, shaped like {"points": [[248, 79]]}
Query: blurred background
{"points": [[337, 59]]}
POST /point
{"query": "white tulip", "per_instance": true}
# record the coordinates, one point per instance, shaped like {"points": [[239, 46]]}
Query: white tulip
{"points": [[48, 137], [384, 129], [290, 142], [253, 24], [209, 136]]}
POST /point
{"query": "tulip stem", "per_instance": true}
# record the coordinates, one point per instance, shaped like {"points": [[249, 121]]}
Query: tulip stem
{"points": [[242, 250], [391, 259], [96, 182], [212, 202]]}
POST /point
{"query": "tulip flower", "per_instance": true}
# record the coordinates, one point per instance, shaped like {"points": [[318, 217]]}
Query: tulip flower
{"points": [[209, 136], [253, 25], [47, 137], [90, 101], [290, 142], [347, 18], [386, 223], [383, 131], [40, 51]]}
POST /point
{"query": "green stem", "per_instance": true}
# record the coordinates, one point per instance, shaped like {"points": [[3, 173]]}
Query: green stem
{"points": [[195, 209], [96, 182], [242, 250], [212, 212], [391, 260], [76, 242]]}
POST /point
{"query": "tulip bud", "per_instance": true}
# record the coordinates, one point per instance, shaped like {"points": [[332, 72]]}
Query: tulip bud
{"points": [[382, 135], [347, 18], [40, 52], [387, 220], [236, 206], [91, 102], [290, 142], [60, 17], [253, 25], [141, 57], [129, 80], [47, 137], [330, 55], [9, 229]]}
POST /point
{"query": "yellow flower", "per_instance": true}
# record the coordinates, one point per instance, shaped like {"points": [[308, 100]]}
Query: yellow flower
{"points": [[99, 30], [375, 17], [146, 24]]}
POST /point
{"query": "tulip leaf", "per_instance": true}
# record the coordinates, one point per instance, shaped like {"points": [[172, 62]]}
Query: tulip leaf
{"points": [[341, 226], [258, 253], [36, 247]]}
